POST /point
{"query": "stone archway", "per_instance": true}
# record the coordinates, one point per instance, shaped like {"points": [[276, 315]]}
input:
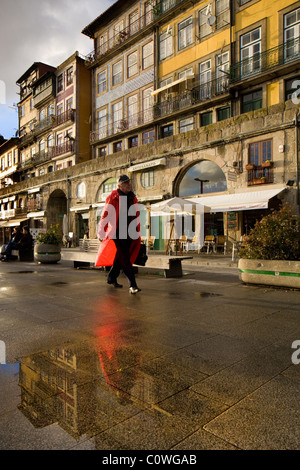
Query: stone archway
{"points": [[56, 208], [201, 177]]}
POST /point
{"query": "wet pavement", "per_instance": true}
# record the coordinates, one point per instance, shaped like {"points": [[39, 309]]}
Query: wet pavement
{"points": [[199, 362]]}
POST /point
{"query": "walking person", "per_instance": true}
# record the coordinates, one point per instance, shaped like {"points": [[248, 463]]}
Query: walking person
{"points": [[119, 234]]}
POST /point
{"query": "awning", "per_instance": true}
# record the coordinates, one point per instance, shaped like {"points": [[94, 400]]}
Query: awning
{"points": [[239, 201], [170, 85], [12, 222]]}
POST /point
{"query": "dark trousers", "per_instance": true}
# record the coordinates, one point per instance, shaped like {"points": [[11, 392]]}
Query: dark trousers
{"points": [[122, 261]]}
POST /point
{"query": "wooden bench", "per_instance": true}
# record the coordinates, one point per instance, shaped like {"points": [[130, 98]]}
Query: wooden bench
{"points": [[85, 256]]}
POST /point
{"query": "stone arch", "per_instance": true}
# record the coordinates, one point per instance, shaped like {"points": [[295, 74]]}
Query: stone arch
{"points": [[56, 208], [211, 176]]}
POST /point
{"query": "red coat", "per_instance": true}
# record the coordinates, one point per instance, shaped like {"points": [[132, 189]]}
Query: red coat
{"points": [[108, 226]]}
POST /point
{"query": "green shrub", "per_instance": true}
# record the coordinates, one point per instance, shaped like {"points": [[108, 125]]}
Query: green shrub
{"points": [[53, 236], [275, 237]]}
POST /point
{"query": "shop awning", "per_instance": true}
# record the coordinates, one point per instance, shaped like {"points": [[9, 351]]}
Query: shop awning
{"points": [[12, 222], [239, 201]]}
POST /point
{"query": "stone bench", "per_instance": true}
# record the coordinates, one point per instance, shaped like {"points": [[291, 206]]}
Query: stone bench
{"points": [[171, 265]]}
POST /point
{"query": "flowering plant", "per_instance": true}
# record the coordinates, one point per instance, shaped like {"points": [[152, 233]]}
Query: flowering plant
{"points": [[52, 236], [274, 237]]}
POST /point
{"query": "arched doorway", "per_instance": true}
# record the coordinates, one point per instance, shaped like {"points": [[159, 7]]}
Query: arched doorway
{"points": [[204, 177], [56, 208]]}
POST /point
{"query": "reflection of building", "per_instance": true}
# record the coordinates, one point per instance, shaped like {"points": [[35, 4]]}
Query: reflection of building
{"points": [[175, 86]]}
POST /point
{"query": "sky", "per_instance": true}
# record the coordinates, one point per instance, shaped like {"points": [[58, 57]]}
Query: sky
{"points": [[46, 31]]}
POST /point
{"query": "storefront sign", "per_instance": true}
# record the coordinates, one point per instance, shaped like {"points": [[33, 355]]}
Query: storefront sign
{"points": [[232, 221], [146, 165]]}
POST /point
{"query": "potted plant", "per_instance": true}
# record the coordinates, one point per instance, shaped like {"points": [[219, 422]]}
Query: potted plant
{"points": [[250, 166], [48, 245], [272, 252], [267, 164]]}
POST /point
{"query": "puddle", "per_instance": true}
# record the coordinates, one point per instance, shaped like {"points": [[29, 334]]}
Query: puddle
{"points": [[59, 283]]}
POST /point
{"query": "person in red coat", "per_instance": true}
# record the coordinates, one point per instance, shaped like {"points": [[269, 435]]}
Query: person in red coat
{"points": [[119, 234]]}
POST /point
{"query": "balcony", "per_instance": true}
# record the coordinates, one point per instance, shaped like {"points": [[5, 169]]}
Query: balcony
{"points": [[260, 175], [40, 97], [122, 125], [34, 205], [66, 147], [281, 56], [199, 93], [141, 23], [67, 116]]}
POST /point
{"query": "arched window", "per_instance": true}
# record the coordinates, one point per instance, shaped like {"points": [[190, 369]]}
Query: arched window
{"points": [[203, 177]]}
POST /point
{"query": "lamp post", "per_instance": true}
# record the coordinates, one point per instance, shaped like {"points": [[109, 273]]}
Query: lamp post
{"points": [[201, 183]]}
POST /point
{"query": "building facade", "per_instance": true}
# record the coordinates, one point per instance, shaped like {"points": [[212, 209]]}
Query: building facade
{"points": [[193, 99]]}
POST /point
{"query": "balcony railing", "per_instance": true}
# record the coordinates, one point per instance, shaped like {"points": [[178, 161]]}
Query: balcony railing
{"points": [[122, 125], [198, 93], [160, 8], [66, 147], [260, 175], [264, 61], [68, 115]]}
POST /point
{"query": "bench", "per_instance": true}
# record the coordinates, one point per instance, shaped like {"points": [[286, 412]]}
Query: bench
{"points": [[21, 255], [85, 256]]}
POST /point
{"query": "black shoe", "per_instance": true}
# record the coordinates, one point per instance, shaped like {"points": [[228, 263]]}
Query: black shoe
{"points": [[115, 284]]}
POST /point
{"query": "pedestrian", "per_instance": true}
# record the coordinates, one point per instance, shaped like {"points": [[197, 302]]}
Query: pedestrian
{"points": [[119, 234], [12, 244]]}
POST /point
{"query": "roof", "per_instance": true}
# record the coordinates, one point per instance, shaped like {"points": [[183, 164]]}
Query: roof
{"points": [[34, 66], [106, 16]]}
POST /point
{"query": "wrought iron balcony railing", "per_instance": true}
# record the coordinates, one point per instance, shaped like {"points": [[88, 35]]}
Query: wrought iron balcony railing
{"points": [[267, 60], [159, 9], [260, 175]]}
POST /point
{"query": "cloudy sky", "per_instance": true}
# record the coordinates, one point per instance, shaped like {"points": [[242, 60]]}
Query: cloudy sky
{"points": [[46, 31]]}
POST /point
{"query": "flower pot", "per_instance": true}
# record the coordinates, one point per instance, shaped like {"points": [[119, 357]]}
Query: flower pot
{"points": [[280, 273], [47, 254], [267, 164], [250, 167]]}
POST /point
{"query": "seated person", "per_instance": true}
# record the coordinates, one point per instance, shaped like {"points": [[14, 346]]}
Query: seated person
{"points": [[24, 244], [12, 245]]}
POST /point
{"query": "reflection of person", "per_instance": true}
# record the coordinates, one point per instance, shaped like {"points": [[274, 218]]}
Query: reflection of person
{"points": [[13, 243], [119, 232]]}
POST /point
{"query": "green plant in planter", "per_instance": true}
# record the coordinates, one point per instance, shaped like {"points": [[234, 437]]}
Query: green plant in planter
{"points": [[52, 236], [275, 237]]}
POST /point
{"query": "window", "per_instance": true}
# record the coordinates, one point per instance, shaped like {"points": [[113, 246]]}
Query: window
{"points": [[165, 44], [41, 145], [186, 125], [102, 152], [291, 34], [222, 68], [102, 123], [133, 141], [223, 113], [132, 110], [205, 79], [166, 131], [148, 179], [185, 33], [9, 159], [147, 105], [206, 118], [148, 13], [50, 141], [69, 104], [132, 65], [60, 83], [117, 111], [109, 185], [250, 44], [117, 73], [22, 110], [292, 88], [148, 55], [117, 146], [102, 44], [134, 22], [204, 28], [50, 110], [70, 76], [252, 101], [260, 152], [101, 82], [222, 13], [60, 109], [148, 137], [185, 73]]}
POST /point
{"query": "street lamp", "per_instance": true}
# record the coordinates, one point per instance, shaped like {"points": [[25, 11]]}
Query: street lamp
{"points": [[201, 183]]}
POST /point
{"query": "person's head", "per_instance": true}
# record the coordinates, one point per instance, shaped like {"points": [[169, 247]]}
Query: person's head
{"points": [[124, 184], [25, 229]]}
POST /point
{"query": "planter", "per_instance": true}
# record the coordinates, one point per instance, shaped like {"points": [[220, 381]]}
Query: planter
{"points": [[250, 167], [44, 253], [278, 273], [267, 164]]}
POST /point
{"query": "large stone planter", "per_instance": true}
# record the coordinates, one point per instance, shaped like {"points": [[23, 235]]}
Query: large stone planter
{"points": [[270, 272], [44, 253]]}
